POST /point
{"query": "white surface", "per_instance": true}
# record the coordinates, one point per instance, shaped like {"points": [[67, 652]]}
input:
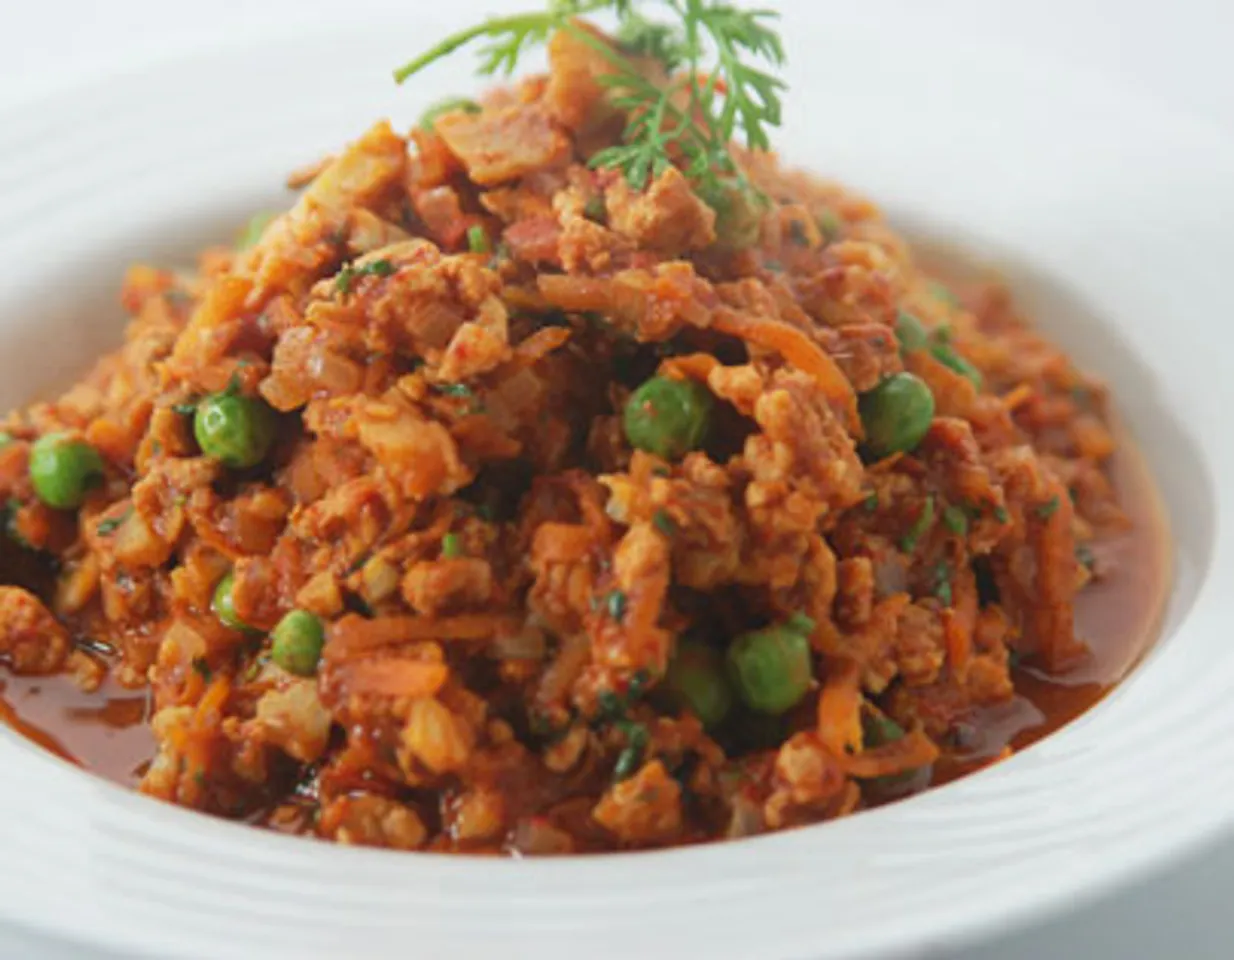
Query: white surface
{"points": [[1114, 212]]}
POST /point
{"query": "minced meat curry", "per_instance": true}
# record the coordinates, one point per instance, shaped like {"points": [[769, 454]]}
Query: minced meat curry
{"points": [[490, 499]]}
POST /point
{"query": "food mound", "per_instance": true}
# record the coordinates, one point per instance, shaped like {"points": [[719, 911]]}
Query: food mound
{"points": [[488, 501]]}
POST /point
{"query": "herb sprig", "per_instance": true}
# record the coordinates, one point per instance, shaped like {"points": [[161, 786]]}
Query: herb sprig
{"points": [[724, 87]]}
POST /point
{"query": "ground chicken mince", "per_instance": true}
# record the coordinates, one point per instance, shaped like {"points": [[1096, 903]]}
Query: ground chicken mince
{"points": [[483, 502]]}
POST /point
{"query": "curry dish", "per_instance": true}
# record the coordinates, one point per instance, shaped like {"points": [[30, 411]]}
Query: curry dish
{"points": [[492, 500]]}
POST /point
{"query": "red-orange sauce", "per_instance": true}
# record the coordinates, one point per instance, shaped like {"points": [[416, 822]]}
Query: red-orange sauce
{"points": [[107, 731], [1118, 618]]}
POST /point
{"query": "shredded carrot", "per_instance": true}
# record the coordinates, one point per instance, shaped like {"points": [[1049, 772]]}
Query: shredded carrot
{"points": [[909, 752], [695, 366], [394, 678], [481, 435], [849, 800], [839, 707], [210, 706], [1018, 396], [959, 621], [540, 344], [800, 351], [563, 542], [355, 635]]}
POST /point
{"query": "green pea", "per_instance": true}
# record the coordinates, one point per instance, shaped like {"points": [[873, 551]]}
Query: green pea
{"points": [[947, 356], [297, 640], [253, 230], [224, 605], [235, 430], [429, 118], [896, 414], [668, 417], [695, 678], [910, 332], [878, 731], [771, 669], [63, 470]]}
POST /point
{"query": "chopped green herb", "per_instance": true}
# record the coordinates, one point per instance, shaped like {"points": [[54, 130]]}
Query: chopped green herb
{"points": [[943, 293], [1001, 514], [801, 622], [942, 583], [199, 778], [630, 757], [501, 254], [797, 233], [610, 705], [659, 41], [11, 506], [878, 730], [451, 547], [595, 209], [112, 523], [870, 504], [253, 230], [947, 356], [638, 685], [1048, 509], [1085, 557], [627, 763], [955, 520], [202, 669], [185, 409], [615, 603], [453, 389], [1014, 657], [828, 225], [347, 277], [428, 118], [664, 522], [987, 585], [477, 239], [920, 526]]}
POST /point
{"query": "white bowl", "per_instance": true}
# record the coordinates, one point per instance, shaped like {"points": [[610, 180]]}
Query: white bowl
{"points": [[1111, 218]]}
